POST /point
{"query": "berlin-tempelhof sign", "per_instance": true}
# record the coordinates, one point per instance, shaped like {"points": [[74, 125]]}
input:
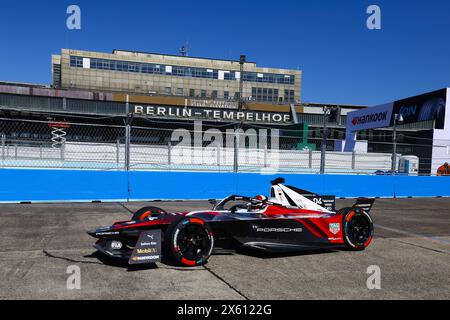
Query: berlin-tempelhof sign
{"points": [[211, 114]]}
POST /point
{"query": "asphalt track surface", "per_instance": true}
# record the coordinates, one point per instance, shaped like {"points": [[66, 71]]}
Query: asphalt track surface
{"points": [[40, 241]]}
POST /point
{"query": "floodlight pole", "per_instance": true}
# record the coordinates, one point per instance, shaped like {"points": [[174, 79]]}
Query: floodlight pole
{"points": [[241, 81], [128, 121], [326, 112]]}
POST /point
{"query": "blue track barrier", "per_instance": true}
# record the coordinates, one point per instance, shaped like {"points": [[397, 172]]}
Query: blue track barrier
{"points": [[22, 185]]}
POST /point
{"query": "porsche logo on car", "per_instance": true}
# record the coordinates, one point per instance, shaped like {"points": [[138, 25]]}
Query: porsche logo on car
{"points": [[258, 229]]}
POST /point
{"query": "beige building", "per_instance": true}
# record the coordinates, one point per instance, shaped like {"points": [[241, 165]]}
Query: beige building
{"points": [[159, 74]]}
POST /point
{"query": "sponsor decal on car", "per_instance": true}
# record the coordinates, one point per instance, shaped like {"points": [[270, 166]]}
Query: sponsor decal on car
{"points": [[145, 258], [148, 248], [259, 229], [148, 244], [107, 233], [334, 227]]}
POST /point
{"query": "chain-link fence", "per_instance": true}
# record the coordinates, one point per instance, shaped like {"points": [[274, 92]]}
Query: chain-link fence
{"points": [[195, 147]]}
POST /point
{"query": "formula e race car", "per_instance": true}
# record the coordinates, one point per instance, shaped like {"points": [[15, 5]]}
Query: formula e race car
{"points": [[290, 219]]}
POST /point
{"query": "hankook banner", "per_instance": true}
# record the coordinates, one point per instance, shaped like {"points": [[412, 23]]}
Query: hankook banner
{"points": [[428, 106], [374, 117]]}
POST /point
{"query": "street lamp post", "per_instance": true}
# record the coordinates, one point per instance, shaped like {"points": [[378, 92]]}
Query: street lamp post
{"points": [[326, 113], [398, 119], [241, 79]]}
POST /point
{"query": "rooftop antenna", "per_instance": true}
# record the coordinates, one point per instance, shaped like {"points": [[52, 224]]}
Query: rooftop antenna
{"points": [[184, 50]]}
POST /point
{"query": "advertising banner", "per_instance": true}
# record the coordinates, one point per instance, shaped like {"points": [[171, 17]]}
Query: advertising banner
{"points": [[428, 106], [424, 107], [374, 117]]}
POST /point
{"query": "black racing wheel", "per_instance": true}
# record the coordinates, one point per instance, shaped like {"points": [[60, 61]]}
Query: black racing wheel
{"points": [[188, 242], [146, 212], [357, 228]]}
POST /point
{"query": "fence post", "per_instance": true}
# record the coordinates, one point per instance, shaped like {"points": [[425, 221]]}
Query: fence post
{"points": [[118, 151], [218, 155], [353, 160], [15, 152], [310, 160], [127, 145], [169, 152], [236, 149], [3, 146], [62, 150], [265, 155]]}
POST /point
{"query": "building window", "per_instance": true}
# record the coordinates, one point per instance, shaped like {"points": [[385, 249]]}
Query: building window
{"points": [[270, 94], [179, 91], [168, 90], [258, 94], [289, 95], [203, 93], [265, 94], [76, 62], [226, 94], [214, 94], [236, 95], [180, 71], [191, 92]]}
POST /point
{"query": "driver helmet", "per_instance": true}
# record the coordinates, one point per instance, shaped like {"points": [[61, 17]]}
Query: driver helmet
{"points": [[258, 202]]}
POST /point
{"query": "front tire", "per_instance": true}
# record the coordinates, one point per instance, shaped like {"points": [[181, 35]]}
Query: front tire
{"points": [[188, 242], [357, 228]]}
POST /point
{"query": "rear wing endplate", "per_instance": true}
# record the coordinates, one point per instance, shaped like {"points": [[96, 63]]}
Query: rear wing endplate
{"points": [[364, 203]]}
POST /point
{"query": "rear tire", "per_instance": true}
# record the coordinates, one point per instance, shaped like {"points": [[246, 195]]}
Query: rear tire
{"points": [[357, 228], [146, 212], [188, 242]]}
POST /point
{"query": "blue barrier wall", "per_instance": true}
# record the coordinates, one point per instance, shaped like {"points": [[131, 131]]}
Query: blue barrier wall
{"points": [[18, 185]]}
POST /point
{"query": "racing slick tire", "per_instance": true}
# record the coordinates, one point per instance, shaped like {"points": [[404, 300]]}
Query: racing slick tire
{"points": [[145, 212], [188, 242], [357, 228]]}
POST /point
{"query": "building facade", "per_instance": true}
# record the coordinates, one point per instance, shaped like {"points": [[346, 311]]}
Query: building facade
{"points": [[162, 92], [160, 74]]}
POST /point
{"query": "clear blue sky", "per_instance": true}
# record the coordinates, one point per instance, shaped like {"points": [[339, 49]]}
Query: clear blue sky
{"points": [[342, 61]]}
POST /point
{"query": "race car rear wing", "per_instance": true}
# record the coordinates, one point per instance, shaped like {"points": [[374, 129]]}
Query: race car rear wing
{"points": [[364, 203], [326, 201]]}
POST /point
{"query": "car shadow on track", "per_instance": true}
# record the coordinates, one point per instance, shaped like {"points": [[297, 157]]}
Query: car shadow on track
{"points": [[270, 255], [138, 267]]}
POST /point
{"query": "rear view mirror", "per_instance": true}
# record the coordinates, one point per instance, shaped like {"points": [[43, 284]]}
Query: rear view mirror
{"points": [[212, 201]]}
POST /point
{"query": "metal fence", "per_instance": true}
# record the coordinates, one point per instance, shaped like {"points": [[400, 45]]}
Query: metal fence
{"points": [[47, 144]]}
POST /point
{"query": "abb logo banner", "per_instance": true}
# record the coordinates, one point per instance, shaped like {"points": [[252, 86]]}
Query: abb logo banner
{"points": [[374, 117]]}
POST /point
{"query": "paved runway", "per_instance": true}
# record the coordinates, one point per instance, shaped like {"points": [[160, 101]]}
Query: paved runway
{"points": [[39, 242]]}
